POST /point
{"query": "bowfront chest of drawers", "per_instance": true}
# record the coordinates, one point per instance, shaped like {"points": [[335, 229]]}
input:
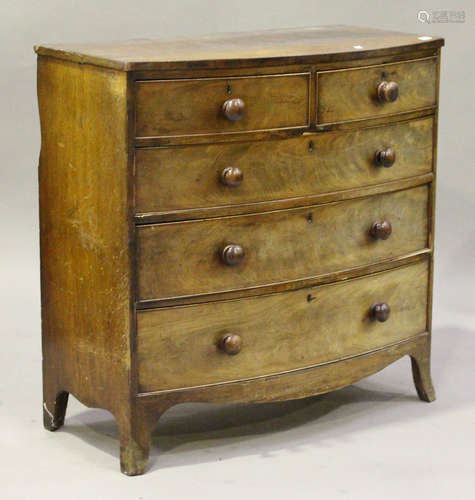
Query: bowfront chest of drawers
{"points": [[242, 218]]}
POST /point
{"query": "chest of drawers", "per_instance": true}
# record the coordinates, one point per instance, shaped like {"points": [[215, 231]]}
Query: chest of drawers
{"points": [[239, 218]]}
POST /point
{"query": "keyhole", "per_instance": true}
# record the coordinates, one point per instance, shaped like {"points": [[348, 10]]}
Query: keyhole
{"points": [[228, 89], [310, 146]]}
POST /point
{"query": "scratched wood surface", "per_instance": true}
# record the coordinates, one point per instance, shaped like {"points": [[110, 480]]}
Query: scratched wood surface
{"points": [[182, 258], [303, 383], [278, 169], [92, 281], [85, 258], [230, 50], [194, 106], [279, 332], [351, 94]]}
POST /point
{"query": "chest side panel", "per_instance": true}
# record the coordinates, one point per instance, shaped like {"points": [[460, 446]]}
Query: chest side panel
{"points": [[85, 257]]}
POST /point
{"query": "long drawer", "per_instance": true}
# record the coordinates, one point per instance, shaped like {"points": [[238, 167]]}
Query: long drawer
{"points": [[168, 108], [229, 253], [222, 175], [359, 93], [191, 345]]}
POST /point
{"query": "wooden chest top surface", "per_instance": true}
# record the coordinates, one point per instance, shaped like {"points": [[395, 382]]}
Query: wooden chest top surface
{"points": [[284, 46]]}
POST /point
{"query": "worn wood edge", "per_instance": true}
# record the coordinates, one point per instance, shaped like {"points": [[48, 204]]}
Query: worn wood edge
{"points": [[281, 133], [237, 62], [295, 209], [255, 389], [284, 60], [283, 286], [432, 198], [341, 124], [372, 66], [408, 117], [281, 204], [402, 116], [147, 139], [279, 74], [271, 69], [133, 270], [79, 58]]}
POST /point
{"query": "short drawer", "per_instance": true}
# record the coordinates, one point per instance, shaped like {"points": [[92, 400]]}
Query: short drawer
{"points": [[190, 345], [205, 256], [197, 106], [174, 180], [355, 94]]}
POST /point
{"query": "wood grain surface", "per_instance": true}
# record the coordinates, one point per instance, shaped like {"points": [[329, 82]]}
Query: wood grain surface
{"points": [[194, 106], [84, 214], [302, 383], [351, 94], [182, 258], [279, 332], [135, 214], [177, 179], [229, 50]]}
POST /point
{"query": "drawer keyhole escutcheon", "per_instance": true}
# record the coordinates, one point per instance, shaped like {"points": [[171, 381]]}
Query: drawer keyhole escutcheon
{"points": [[385, 157], [230, 343], [232, 255], [380, 312], [231, 176], [234, 109], [387, 91], [381, 230]]}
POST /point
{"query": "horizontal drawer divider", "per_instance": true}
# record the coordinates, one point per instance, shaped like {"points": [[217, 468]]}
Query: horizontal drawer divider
{"points": [[288, 372], [353, 123], [323, 279], [281, 133], [267, 206]]}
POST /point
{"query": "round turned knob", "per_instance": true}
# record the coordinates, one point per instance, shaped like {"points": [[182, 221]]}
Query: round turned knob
{"points": [[232, 176], [380, 312], [388, 91], [230, 343], [381, 230], [385, 157], [232, 255], [234, 109]]}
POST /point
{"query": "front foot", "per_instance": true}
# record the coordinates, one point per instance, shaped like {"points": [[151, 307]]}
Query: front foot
{"points": [[420, 361], [135, 431], [133, 458]]}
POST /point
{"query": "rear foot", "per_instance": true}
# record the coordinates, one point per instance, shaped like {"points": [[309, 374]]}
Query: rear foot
{"points": [[54, 411]]}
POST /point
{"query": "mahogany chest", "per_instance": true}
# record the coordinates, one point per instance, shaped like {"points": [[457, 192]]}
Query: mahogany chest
{"points": [[235, 218]]}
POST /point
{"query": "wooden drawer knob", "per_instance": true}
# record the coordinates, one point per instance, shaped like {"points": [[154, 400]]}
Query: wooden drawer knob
{"points": [[381, 230], [385, 157], [232, 255], [388, 91], [232, 176], [230, 344], [234, 109], [380, 312]]}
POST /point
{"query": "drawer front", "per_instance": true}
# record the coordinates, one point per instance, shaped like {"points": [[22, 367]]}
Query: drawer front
{"points": [[352, 94], [251, 172], [186, 258], [195, 107], [182, 346]]}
